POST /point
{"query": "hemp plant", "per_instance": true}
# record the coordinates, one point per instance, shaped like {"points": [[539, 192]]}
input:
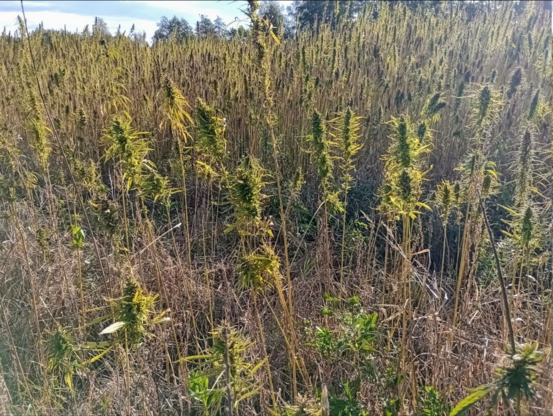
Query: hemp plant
{"points": [[128, 148], [246, 195], [179, 120], [321, 155], [259, 265], [262, 32], [401, 200], [134, 315], [348, 138], [64, 359], [402, 188], [523, 168], [514, 381], [479, 177], [228, 369], [525, 230], [77, 243], [446, 201]]}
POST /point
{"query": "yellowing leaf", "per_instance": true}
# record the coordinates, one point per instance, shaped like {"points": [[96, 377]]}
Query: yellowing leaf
{"points": [[69, 381], [425, 206], [464, 405], [97, 357], [161, 319], [274, 37]]}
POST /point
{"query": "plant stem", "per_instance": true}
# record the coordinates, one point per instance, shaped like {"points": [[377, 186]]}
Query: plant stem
{"points": [[227, 373], [342, 290], [81, 290], [500, 278], [283, 219], [444, 243], [263, 345], [461, 267]]}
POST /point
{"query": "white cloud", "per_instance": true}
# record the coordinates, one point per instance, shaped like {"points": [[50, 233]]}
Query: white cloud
{"points": [[73, 21], [44, 11], [126, 23], [52, 20], [45, 4], [211, 9]]}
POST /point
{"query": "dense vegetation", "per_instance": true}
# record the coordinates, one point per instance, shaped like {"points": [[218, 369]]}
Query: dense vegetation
{"points": [[308, 224]]}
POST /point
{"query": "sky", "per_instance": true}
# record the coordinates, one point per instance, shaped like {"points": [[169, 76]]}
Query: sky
{"points": [[75, 15]]}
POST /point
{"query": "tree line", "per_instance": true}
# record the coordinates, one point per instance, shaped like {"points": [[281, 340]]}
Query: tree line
{"points": [[304, 14]]}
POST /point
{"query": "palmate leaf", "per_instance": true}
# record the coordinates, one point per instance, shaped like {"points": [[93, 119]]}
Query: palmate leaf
{"points": [[477, 394]]}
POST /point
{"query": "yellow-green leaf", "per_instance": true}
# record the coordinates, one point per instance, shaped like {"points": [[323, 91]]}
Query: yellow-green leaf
{"points": [[274, 37], [97, 357], [478, 394]]}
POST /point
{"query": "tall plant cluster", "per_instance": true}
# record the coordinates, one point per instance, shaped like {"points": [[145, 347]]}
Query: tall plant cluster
{"points": [[404, 175], [347, 218]]}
